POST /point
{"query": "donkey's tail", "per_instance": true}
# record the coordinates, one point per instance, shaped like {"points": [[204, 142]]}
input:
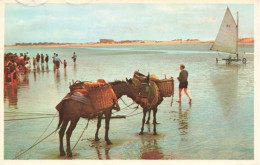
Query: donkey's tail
{"points": [[59, 108]]}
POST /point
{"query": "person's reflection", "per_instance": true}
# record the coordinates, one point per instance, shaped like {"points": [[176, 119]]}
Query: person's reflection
{"points": [[11, 94], [47, 68], [75, 68], [34, 75], [57, 77], [97, 148], [25, 81], [38, 68], [42, 65], [65, 75], [150, 149], [183, 120]]}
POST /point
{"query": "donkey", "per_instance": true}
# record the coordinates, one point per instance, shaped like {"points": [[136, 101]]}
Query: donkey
{"points": [[120, 88], [144, 102], [71, 111]]}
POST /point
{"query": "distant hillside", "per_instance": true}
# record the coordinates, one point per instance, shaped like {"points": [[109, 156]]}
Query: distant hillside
{"points": [[246, 40]]}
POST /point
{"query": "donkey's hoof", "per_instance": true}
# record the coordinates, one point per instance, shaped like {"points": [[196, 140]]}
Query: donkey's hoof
{"points": [[154, 133], [69, 154], [97, 139], [141, 133], [108, 142], [62, 153]]}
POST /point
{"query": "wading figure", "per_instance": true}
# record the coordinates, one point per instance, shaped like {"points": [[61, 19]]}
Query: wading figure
{"points": [[71, 110], [151, 102]]}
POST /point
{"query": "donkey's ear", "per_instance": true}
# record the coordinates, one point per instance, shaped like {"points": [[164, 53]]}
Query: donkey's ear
{"points": [[148, 77], [126, 80]]}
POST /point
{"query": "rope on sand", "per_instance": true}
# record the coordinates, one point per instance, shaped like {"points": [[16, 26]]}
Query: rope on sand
{"points": [[29, 118], [37, 141], [81, 134], [34, 145]]}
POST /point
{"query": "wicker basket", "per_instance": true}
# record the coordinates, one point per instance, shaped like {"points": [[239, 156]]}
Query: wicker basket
{"points": [[166, 87], [77, 85], [101, 96]]}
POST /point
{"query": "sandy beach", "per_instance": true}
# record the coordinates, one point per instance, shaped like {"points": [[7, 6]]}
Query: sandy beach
{"points": [[192, 41]]}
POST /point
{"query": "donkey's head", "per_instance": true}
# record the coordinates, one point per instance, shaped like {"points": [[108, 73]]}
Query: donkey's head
{"points": [[120, 88], [133, 93]]}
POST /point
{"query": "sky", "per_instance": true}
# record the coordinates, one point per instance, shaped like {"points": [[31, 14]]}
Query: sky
{"points": [[67, 23]]}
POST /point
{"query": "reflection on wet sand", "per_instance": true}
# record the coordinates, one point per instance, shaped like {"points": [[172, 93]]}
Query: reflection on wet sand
{"points": [[11, 90], [99, 154], [57, 77], [225, 82], [183, 120], [65, 75], [11, 94], [75, 68], [150, 148]]}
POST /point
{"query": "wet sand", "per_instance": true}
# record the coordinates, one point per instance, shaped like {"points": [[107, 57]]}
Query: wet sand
{"points": [[219, 124]]}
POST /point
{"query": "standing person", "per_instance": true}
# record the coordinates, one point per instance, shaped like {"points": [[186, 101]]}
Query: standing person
{"points": [[37, 58], [46, 59], [42, 59], [57, 62], [183, 79], [27, 68], [65, 64], [74, 57], [34, 62]]}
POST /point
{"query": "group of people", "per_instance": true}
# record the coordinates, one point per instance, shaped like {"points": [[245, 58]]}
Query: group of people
{"points": [[15, 64], [38, 58], [10, 71], [57, 61], [22, 64]]}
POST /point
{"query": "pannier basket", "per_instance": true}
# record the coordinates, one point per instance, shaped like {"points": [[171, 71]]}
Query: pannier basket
{"points": [[101, 96], [166, 87]]}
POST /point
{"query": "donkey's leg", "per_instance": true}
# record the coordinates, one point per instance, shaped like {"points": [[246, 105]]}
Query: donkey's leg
{"points": [[108, 116], [154, 115], [72, 126], [61, 134], [148, 119], [154, 121], [98, 126], [144, 114]]}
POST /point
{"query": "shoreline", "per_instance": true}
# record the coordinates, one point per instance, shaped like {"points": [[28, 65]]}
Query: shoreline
{"points": [[119, 43]]}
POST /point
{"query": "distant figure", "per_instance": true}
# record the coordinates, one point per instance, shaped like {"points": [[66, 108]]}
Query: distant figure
{"points": [[53, 60], [65, 64], [42, 59], [37, 58], [27, 68], [34, 62], [183, 79], [216, 60], [57, 62], [14, 76], [46, 59], [74, 57]]}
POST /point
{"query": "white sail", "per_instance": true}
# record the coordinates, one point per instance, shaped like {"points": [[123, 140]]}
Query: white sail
{"points": [[226, 40]]}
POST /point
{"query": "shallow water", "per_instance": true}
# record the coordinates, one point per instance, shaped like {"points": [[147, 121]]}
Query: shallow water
{"points": [[219, 124]]}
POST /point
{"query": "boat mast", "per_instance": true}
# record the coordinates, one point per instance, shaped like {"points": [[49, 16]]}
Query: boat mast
{"points": [[237, 36]]}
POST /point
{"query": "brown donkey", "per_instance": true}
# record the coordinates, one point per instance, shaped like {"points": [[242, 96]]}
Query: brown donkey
{"points": [[147, 103], [71, 110]]}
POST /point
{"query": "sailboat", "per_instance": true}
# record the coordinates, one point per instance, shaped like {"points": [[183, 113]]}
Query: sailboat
{"points": [[227, 38]]}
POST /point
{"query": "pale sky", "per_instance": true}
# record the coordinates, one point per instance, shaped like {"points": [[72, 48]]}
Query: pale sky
{"points": [[91, 22]]}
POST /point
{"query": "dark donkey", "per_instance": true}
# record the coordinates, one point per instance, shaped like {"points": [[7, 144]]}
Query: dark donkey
{"points": [[71, 110], [147, 104], [120, 88]]}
